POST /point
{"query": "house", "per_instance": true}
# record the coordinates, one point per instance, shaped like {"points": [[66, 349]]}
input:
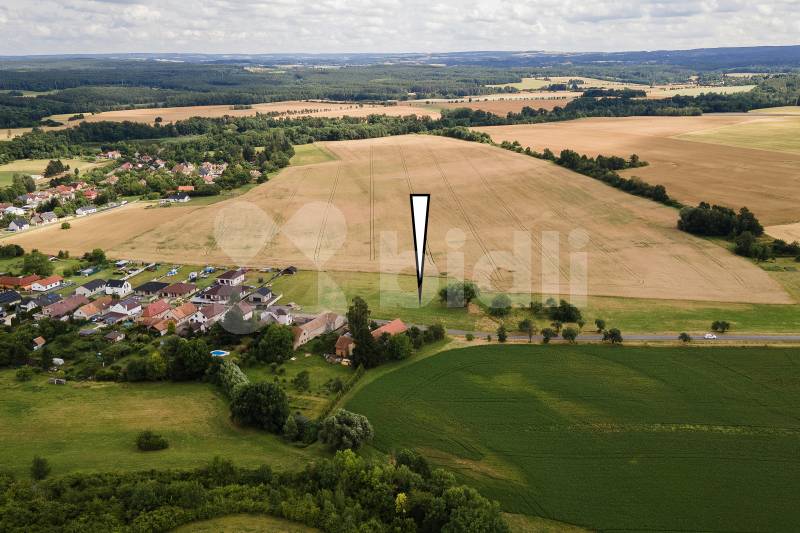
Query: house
{"points": [[114, 336], [185, 188], [113, 317], [179, 197], [18, 282], [395, 327], [90, 288], [38, 342], [48, 217], [86, 210], [93, 309], [14, 211], [46, 284], [43, 300], [113, 154], [208, 315], [62, 310], [324, 323], [8, 299], [345, 345], [36, 220], [232, 277], [220, 293], [129, 307], [156, 310], [91, 194], [177, 290], [151, 288], [182, 314], [118, 287], [278, 314], [18, 224], [262, 296], [126, 166], [246, 309], [183, 168]]}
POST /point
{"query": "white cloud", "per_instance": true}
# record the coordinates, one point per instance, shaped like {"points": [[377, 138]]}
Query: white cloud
{"points": [[270, 26]]}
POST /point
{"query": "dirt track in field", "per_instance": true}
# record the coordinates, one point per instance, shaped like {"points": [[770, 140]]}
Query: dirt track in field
{"points": [[344, 215], [763, 180]]}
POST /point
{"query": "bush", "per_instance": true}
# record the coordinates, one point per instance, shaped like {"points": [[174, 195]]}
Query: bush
{"points": [[263, 405], [147, 441], [24, 373], [345, 430], [231, 377], [65, 225], [470, 337], [501, 305], [685, 337], [40, 468], [720, 326]]}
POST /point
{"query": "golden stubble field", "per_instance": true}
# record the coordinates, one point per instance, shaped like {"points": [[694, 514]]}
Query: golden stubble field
{"points": [[345, 214], [764, 180]]}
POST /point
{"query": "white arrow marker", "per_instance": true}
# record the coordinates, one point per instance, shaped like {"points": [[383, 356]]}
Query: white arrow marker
{"points": [[420, 205]]}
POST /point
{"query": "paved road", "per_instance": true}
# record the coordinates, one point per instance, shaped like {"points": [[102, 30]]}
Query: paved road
{"points": [[645, 337]]}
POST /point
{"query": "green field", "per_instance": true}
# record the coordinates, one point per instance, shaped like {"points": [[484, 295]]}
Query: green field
{"points": [[309, 154], [332, 290], [779, 134], [245, 523], [37, 166], [613, 438], [92, 427], [526, 84]]}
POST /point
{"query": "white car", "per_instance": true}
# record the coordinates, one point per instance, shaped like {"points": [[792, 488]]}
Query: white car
{"points": [[709, 336]]}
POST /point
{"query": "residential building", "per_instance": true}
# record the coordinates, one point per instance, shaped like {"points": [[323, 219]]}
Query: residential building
{"points": [[19, 224], [18, 282], [93, 309], [151, 288], [86, 210], [156, 310], [278, 314], [232, 277], [178, 290], [179, 197], [46, 284], [395, 327], [8, 300], [38, 342], [90, 288], [64, 308], [262, 296], [345, 345], [324, 323], [129, 307], [114, 337], [118, 287], [208, 315]]}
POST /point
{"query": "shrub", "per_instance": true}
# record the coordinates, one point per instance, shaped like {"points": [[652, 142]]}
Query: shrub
{"points": [[231, 377], [147, 441], [263, 405], [345, 430], [40, 468], [24, 373], [65, 225], [685, 337], [470, 337], [501, 305]]}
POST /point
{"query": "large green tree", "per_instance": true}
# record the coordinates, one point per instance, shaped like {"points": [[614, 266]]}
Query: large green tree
{"points": [[263, 405], [366, 351], [346, 430]]}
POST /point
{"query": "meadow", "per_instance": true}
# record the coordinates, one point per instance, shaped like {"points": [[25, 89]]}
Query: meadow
{"points": [[352, 215], [37, 166], [778, 134], [84, 426], [610, 438], [245, 523], [691, 171]]}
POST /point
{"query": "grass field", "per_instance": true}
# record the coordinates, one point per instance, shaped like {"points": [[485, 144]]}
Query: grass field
{"points": [[92, 427], [609, 438], [668, 92], [786, 110], [347, 215], [691, 171], [778, 134], [245, 523], [310, 154], [37, 166]]}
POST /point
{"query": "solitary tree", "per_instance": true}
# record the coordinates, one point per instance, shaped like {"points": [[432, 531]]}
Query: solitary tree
{"points": [[502, 335], [685, 337], [40, 468], [601, 324], [345, 430], [263, 405], [526, 326], [569, 334], [501, 305], [547, 334], [613, 335], [720, 326]]}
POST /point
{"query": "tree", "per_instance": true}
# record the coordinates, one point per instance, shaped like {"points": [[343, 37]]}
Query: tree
{"points": [[744, 244], [501, 305], [96, 257], [40, 468], [263, 405], [613, 335], [290, 430], [65, 225], [345, 430], [458, 294], [302, 381], [37, 263], [502, 335], [720, 326], [190, 360], [557, 325], [600, 323], [55, 167], [398, 347], [276, 344], [147, 441], [685, 337], [569, 334], [366, 351], [526, 326], [564, 312], [547, 334]]}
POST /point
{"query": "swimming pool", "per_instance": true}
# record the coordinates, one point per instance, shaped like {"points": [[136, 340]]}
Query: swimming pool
{"points": [[219, 353]]}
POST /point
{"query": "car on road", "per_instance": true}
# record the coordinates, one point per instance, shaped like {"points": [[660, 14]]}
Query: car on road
{"points": [[709, 336]]}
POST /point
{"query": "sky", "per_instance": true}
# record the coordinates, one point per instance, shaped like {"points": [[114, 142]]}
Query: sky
{"points": [[284, 26]]}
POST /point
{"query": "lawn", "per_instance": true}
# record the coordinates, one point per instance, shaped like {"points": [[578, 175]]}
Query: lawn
{"points": [[245, 523], [309, 154], [37, 166], [332, 290], [626, 438], [92, 427]]}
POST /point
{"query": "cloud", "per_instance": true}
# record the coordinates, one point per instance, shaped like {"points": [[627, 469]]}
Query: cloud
{"points": [[272, 26]]}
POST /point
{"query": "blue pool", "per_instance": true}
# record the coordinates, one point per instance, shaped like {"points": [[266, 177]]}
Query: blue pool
{"points": [[219, 353]]}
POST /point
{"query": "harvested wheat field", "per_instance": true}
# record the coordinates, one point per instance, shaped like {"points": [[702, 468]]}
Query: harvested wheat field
{"points": [[513, 105], [336, 215], [766, 181], [281, 109]]}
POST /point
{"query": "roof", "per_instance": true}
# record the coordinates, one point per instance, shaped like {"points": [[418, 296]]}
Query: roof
{"points": [[263, 291], [184, 311], [114, 335], [394, 327], [129, 303], [116, 283], [233, 274], [97, 306], [18, 281], [50, 280], [179, 288], [39, 341], [67, 305], [151, 286], [19, 222], [210, 311], [343, 342], [156, 308], [9, 297], [94, 284]]}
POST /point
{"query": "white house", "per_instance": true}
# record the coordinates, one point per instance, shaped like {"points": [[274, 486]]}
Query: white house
{"points": [[90, 288], [232, 277], [279, 314], [18, 224], [46, 284], [86, 210], [14, 211], [118, 287], [129, 307]]}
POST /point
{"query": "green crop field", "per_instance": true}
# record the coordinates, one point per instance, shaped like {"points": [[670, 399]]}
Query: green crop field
{"points": [[612, 438], [37, 166], [776, 133], [309, 154], [92, 427]]}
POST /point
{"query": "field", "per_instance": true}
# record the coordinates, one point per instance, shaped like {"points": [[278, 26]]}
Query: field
{"points": [[37, 166], [348, 215], [691, 171], [89, 426], [778, 134], [665, 91], [283, 109], [624, 438], [244, 523], [786, 110]]}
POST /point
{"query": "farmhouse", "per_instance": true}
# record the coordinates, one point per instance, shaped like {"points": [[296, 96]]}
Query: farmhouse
{"points": [[46, 284], [177, 290], [62, 309], [395, 327], [324, 323], [345, 345], [232, 277], [18, 282], [151, 288], [90, 288], [118, 287]]}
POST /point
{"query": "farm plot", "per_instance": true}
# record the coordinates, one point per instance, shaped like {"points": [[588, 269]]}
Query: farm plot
{"points": [[352, 214], [778, 133], [636, 439], [37, 166], [764, 180]]}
